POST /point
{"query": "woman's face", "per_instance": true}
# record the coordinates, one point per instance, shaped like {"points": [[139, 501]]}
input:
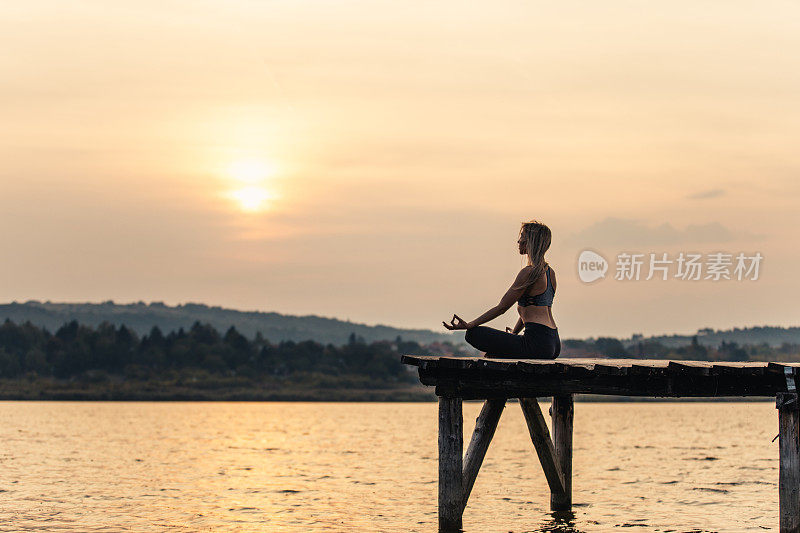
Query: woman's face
{"points": [[522, 242]]}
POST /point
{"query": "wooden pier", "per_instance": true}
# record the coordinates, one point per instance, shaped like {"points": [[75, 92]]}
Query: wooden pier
{"points": [[497, 380]]}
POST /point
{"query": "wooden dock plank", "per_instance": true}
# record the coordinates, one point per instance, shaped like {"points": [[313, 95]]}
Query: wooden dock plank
{"points": [[592, 364], [532, 366], [482, 378], [731, 368], [498, 364], [693, 368]]}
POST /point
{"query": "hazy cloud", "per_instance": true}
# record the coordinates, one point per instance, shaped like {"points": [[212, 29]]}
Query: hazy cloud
{"points": [[704, 195], [630, 232]]}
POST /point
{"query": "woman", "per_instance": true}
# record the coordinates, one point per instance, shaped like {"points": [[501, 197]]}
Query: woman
{"points": [[533, 291]]}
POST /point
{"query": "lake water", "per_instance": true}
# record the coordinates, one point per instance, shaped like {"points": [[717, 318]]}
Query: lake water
{"points": [[113, 466]]}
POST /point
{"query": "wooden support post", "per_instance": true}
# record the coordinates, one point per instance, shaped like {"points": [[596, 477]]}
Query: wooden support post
{"points": [[789, 466], [562, 411], [485, 426], [451, 446], [537, 427]]}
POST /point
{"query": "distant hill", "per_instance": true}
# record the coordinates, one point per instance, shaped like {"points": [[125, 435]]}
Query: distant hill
{"points": [[275, 327], [772, 335]]}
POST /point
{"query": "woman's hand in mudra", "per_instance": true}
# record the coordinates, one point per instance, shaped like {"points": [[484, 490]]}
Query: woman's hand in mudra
{"points": [[456, 323]]}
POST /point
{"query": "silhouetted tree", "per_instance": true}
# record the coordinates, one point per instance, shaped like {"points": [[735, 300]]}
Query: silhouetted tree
{"points": [[610, 347]]}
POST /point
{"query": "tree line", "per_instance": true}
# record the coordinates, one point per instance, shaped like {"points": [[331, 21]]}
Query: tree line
{"points": [[74, 349], [651, 349]]}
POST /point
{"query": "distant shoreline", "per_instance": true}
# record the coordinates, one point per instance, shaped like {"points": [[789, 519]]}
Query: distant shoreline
{"points": [[132, 391], [65, 390]]}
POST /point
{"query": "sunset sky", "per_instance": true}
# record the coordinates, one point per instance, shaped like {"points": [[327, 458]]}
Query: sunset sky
{"points": [[373, 160]]}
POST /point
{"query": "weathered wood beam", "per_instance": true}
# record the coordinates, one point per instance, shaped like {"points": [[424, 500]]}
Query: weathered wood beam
{"points": [[789, 466], [562, 411], [484, 384], [540, 435], [485, 426], [451, 446]]}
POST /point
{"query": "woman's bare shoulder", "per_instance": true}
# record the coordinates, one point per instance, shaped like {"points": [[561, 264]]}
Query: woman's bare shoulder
{"points": [[523, 278], [524, 273]]}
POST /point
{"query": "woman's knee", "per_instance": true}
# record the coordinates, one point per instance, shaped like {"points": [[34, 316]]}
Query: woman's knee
{"points": [[475, 334]]}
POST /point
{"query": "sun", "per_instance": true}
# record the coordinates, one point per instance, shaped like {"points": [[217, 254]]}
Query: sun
{"points": [[251, 199], [250, 177]]}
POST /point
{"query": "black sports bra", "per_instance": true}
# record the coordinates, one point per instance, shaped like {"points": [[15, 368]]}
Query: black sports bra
{"points": [[545, 298]]}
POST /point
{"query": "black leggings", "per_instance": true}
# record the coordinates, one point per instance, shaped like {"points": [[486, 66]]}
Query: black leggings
{"points": [[538, 342]]}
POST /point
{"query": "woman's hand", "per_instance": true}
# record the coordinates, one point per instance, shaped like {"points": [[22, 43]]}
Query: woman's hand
{"points": [[456, 325]]}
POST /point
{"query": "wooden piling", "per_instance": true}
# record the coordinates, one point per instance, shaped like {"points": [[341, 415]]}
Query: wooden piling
{"points": [[562, 412], [789, 465], [540, 436], [485, 426], [451, 446]]}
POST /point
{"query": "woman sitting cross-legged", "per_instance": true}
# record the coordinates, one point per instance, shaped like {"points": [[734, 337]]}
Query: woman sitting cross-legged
{"points": [[533, 291]]}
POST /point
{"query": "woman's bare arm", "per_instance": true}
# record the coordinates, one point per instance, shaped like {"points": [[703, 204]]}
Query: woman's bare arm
{"points": [[508, 299]]}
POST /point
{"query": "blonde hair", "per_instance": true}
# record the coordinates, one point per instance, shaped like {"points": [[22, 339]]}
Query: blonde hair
{"points": [[537, 238]]}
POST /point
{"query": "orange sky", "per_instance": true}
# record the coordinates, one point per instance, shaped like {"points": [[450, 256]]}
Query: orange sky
{"points": [[401, 145]]}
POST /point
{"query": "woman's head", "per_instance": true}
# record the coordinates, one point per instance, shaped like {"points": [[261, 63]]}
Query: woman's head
{"points": [[534, 240]]}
